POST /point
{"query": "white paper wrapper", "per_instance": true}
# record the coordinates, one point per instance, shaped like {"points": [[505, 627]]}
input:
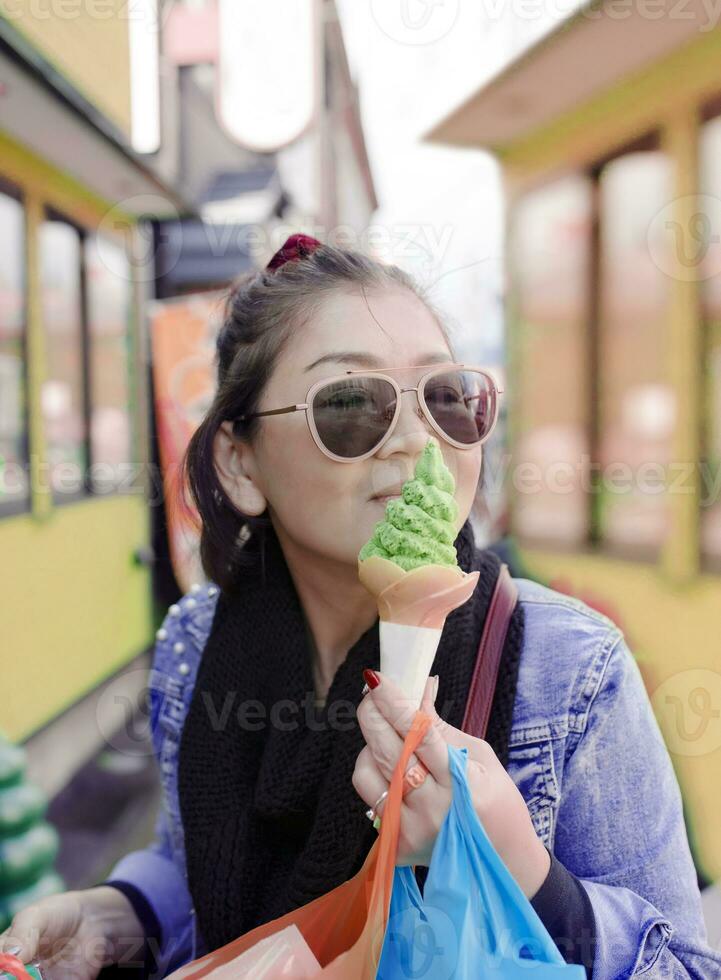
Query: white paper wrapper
{"points": [[407, 654]]}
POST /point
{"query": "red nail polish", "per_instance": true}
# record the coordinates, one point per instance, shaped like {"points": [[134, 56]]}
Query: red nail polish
{"points": [[371, 678]]}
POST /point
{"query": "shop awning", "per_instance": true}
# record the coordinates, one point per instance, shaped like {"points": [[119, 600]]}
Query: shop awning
{"points": [[585, 54], [43, 111]]}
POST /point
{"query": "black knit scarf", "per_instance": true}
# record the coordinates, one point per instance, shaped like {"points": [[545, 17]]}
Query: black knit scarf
{"points": [[270, 814]]}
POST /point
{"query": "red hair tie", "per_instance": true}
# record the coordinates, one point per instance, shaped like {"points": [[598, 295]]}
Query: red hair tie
{"points": [[295, 247]]}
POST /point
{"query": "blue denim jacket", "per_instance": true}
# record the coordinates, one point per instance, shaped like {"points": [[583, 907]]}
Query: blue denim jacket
{"points": [[585, 751]]}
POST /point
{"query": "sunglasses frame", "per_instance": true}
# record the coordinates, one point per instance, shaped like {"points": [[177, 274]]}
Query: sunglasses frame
{"points": [[437, 368]]}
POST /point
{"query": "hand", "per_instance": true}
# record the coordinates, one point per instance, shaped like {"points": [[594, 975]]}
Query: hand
{"points": [[385, 719], [73, 935]]}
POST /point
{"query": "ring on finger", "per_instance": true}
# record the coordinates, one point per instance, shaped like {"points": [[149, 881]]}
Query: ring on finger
{"points": [[414, 777], [373, 812]]}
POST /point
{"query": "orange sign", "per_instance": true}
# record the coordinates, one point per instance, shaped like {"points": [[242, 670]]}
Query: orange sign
{"points": [[183, 333]]}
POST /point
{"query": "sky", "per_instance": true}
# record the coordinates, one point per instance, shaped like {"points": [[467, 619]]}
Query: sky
{"points": [[413, 62]]}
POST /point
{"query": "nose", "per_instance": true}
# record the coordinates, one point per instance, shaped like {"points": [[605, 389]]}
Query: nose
{"points": [[411, 431]]}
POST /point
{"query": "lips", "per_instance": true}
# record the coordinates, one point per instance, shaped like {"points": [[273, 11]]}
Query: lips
{"points": [[388, 492]]}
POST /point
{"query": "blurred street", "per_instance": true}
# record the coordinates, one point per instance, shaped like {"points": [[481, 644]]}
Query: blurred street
{"points": [[550, 173]]}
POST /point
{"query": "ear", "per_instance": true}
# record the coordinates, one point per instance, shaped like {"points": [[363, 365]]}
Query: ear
{"points": [[236, 469]]}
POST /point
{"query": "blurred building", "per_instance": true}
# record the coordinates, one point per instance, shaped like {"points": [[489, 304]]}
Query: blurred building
{"points": [[248, 202], [609, 134], [77, 605], [74, 270], [114, 199]]}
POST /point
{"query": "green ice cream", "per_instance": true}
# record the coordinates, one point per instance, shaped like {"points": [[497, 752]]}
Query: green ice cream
{"points": [[420, 527]]}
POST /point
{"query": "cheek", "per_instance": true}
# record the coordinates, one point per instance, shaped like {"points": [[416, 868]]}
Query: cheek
{"points": [[298, 472], [316, 499], [468, 471]]}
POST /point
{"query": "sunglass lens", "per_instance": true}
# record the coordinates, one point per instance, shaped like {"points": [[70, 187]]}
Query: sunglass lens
{"points": [[352, 416], [463, 404]]}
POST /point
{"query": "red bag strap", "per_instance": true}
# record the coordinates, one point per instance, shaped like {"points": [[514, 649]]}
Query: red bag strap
{"points": [[485, 672], [13, 967]]}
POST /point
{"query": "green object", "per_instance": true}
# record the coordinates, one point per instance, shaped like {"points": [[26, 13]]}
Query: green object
{"points": [[420, 527], [20, 806], [12, 763], [49, 884], [28, 844], [24, 857]]}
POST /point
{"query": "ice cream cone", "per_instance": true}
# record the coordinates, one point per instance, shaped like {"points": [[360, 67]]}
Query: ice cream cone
{"points": [[422, 597], [410, 567], [413, 607]]}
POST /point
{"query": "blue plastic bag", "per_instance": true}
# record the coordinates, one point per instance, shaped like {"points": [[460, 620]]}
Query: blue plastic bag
{"points": [[473, 920]]}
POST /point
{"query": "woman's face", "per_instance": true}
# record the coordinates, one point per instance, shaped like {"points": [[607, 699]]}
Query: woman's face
{"points": [[323, 506]]}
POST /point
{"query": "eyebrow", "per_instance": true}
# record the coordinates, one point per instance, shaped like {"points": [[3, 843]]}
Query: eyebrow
{"points": [[369, 360]]}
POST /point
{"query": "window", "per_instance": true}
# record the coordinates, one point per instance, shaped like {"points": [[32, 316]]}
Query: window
{"points": [[63, 396], [14, 478], [636, 408], [108, 280], [550, 245], [710, 475], [86, 290]]}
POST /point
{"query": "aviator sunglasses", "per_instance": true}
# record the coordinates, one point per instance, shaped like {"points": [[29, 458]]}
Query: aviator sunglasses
{"points": [[351, 415]]}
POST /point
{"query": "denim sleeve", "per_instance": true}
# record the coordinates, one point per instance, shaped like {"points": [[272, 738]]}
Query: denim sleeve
{"points": [[153, 873], [621, 830]]}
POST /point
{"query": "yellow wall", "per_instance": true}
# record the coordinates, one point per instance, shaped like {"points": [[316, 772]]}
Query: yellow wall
{"points": [[674, 633], [671, 612], [75, 606], [87, 41]]}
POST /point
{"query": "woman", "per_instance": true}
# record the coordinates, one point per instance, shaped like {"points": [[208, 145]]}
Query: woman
{"points": [[270, 747]]}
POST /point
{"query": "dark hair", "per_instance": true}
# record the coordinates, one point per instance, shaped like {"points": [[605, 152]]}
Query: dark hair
{"points": [[263, 309]]}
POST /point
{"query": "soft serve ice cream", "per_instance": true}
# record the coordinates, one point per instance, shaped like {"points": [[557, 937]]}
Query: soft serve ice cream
{"points": [[410, 565], [420, 527]]}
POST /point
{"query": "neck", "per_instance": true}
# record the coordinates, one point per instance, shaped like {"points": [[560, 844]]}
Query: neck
{"points": [[338, 610]]}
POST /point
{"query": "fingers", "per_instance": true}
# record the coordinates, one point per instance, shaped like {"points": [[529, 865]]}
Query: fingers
{"points": [[478, 749], [368, 780], [381, 738], [430, 692], [22, 936], [370, 784], [386, 716], [44, 927]]}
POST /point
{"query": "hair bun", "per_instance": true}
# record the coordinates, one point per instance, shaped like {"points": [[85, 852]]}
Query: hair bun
{"points": [[296, 246]]}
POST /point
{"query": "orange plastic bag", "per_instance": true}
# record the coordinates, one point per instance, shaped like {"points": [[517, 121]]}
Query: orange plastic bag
{"points": [[344, 929]]}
